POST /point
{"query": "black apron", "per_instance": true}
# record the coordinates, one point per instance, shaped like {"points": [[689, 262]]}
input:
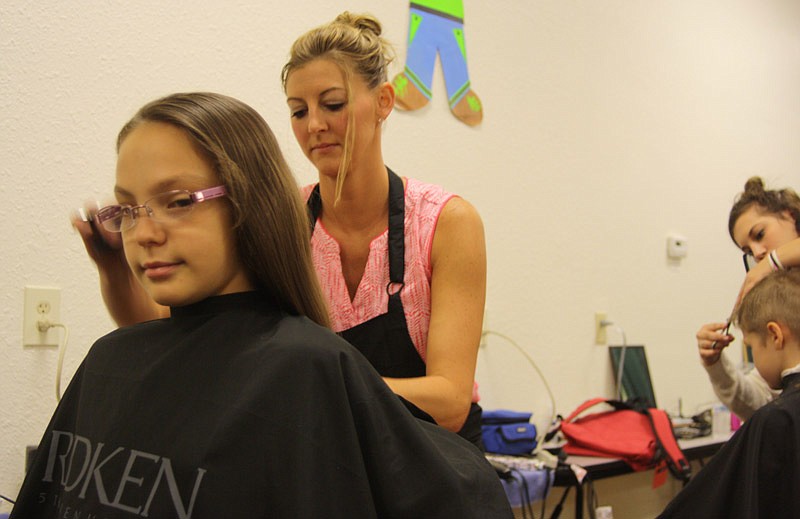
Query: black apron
{"points": [[384, 340]]}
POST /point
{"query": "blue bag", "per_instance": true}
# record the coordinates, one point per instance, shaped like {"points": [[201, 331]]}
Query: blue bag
{"points": [[508, 432]]}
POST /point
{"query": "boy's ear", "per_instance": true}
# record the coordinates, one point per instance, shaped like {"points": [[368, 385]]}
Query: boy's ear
{"points": [[775, 335]]}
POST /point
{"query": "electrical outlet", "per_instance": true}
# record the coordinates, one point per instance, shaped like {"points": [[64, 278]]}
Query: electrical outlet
{"points": [[41, 304], [599, 328]]}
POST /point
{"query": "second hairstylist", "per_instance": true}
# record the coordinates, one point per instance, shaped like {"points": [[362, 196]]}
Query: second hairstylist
{"points": [[765, 225]]}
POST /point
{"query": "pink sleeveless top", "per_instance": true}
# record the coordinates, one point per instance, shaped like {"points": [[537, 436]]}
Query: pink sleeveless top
{"points": [[424, 204]]}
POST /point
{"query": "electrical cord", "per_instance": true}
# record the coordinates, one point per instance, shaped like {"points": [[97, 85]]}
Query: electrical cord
{"points": [[524, 495], [620, 371], [62, 348], [546, 491], [539, 442]]}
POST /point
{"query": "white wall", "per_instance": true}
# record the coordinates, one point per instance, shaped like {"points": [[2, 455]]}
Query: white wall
{"points": [[607, 125]]}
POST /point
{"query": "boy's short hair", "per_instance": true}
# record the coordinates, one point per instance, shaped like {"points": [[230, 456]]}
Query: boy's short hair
{"points": [[774, 298]]}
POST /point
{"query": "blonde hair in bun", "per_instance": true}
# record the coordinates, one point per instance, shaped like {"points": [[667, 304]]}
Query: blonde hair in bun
{"points": [[354, 43]]}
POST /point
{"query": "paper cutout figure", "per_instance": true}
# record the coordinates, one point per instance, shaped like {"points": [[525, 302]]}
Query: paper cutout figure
{"points": [[437, 26]]}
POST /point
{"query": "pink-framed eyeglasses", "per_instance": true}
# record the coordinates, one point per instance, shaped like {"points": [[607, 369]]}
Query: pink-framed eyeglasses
{"points": [[164, 207]]}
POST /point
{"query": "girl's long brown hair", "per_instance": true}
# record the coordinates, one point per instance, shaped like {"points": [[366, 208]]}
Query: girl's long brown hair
{"points": [[270, 220]]}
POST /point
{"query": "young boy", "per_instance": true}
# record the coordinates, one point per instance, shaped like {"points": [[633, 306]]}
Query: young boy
{"points": [[757, 472]]}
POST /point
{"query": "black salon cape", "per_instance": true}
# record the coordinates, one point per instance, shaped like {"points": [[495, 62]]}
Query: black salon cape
{"points": [[231, 409], [757, 473]]}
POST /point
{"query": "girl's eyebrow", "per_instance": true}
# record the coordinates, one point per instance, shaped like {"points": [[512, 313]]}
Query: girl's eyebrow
{"points": [[183, 180], [120, 192]]}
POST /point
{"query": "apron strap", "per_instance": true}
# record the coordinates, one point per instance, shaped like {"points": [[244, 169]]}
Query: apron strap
{"points": [[397, 245], [314, 207]]}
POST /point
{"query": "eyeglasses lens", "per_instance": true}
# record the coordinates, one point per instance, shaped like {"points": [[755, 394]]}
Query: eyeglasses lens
{"points": [[110, 217], [164, 207]]}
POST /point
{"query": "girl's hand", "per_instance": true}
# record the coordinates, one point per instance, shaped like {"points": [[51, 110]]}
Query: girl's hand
{"points": [[756, 274]]}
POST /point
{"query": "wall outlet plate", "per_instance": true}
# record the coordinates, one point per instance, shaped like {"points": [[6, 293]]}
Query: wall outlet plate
{"points": [[599, 328], [41, 304]]}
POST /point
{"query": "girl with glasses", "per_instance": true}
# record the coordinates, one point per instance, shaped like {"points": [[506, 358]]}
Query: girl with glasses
{"points": [[765, 225], [242, 403]]}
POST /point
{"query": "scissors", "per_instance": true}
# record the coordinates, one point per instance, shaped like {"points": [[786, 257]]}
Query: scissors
{"points": [[726, 330]]}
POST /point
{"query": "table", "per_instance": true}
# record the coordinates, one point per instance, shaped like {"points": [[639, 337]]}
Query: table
{"points": [[601, 468]]}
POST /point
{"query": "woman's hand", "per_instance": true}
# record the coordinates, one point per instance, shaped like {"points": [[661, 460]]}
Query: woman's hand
{"points": [[124, 296], [711, 341], [104, 247]]}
